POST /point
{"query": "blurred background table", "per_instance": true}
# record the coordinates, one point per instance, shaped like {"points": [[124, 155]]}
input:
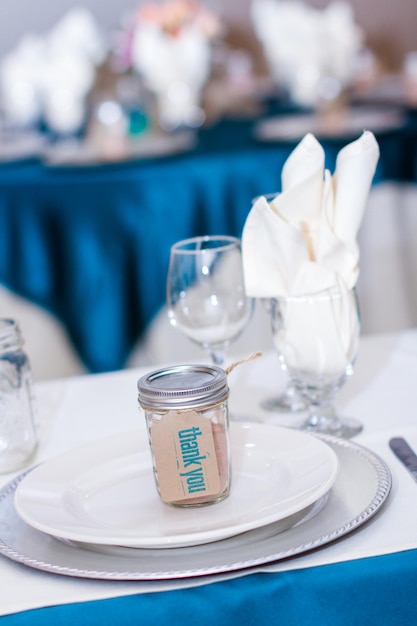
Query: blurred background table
{"points": [[89, 244]]}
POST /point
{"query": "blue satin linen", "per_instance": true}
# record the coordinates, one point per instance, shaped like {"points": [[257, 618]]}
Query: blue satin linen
{"points": [[380, 591], [91, 244]]}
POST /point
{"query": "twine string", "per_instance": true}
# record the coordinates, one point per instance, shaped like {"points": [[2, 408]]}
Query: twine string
{"points": [[250, 357]]}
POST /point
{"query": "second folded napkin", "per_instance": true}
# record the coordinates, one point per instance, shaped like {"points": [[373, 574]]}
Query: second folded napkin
{"points": [[305, 239]]}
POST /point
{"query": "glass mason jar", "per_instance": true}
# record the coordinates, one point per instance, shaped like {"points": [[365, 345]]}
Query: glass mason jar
{"points": [[18, 438], [186, 410]]}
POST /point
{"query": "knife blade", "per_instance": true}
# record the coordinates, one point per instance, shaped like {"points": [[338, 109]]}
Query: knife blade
{"points": [[404, 452]]}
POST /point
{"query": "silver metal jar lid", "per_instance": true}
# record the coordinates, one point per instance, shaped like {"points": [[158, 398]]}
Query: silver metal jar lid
{"points": [[188, 386]]}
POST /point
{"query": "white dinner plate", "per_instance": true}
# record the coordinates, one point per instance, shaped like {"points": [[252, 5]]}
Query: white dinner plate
{"points": [[104, 493], [361, 488]]}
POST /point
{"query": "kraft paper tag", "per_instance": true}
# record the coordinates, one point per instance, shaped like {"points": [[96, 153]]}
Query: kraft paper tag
{"points": [[185, 457]]}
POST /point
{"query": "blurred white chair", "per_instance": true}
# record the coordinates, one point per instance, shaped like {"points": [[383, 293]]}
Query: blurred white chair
{"points": [[164, 344], [46, 341]]}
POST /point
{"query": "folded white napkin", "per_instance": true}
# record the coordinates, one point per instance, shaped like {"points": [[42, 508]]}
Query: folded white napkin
{"points": [[164, 59], [175, 68], [78, 33], [304, 240], [51, 76], [304, 44], [20, 76]]}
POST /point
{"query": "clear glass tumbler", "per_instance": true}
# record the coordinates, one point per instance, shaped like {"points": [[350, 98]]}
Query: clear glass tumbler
{"points": [[317, 340], [18, 439]]}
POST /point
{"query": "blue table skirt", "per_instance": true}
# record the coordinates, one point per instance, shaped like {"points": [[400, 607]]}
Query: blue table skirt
{"points": [[379, 591], [91, 245]]}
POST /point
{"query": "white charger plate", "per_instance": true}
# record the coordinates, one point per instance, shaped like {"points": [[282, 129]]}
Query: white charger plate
{"points": [[104, 493], [361, 488]]}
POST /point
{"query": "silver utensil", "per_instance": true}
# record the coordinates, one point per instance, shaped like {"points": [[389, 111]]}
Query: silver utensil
{"points": [[405, 454]]}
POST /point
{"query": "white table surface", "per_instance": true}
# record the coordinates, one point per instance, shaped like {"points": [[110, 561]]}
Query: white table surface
{"points": [[382, 394]]}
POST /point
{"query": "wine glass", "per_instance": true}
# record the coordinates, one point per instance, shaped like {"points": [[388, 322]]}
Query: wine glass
{"points": [[290, 400], [205, 292], [317, 339]]}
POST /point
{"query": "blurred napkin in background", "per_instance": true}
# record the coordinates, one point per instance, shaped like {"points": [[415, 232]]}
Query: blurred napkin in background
{"points": [[74, 49], [49, 77], [310, 51], [305, 239], [171, 50], [20, 77]]}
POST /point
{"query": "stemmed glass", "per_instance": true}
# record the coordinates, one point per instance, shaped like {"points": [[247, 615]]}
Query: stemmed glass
{"points": [[205, 292], [290, 400], [317, 338]]}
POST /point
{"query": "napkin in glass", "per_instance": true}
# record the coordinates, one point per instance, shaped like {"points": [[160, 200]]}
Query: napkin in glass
{"points": [[305, 239], [304, 242]]}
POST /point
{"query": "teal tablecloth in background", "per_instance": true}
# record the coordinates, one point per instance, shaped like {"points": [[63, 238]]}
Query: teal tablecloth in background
{"points": [[91, 244]]}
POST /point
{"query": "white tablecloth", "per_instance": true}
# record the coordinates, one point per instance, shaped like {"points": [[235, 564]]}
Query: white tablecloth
{"points": [[382, 394]]}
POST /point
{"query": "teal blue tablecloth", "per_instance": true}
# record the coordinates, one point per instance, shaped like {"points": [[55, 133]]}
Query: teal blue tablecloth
{"points": [[91, 244], [379, 591]]}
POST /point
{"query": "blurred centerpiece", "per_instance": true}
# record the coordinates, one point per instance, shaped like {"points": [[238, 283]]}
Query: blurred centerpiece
{"points": [[312, 53], [46, 79], [170, 48]]}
